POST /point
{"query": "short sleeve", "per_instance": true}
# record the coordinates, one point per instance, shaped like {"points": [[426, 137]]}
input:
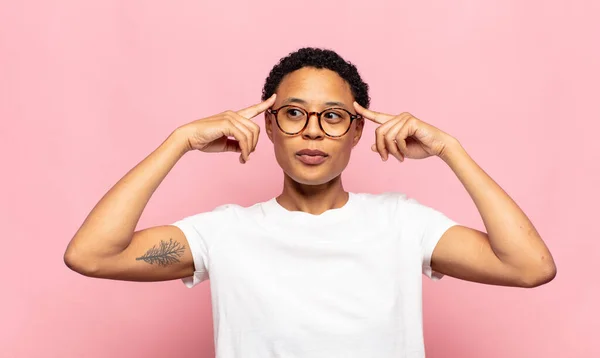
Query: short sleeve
{"points": [[199, 231], [427, 224]]}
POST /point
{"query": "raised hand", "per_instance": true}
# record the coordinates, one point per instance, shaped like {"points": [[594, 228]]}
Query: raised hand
{"points": [[228, 131], [405, 136]]}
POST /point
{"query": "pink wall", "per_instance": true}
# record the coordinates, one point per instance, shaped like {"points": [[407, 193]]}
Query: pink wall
{"points": [[90, 88]]}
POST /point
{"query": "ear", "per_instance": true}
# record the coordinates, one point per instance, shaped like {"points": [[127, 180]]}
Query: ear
{"points": [[269, 125], [359, 126]]}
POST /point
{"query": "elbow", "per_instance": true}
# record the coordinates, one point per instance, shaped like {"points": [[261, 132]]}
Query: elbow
{"points": [[540, 276], [79, 264]]}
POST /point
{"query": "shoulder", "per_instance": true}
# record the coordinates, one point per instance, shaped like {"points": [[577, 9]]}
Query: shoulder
{"points": [[224, 213], [396, 198], [388, 199], [393, 204], [215, 213], [379, 207]]}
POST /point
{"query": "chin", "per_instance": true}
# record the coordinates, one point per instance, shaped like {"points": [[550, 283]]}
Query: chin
{"points": [[312, 175], [304, 179], [306, 174]]}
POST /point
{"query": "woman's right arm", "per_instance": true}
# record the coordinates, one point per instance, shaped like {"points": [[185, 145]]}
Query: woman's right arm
{"points": [[107, 245]]}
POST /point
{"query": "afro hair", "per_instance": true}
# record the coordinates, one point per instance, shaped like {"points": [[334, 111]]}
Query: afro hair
{"points": [[317, 58]]}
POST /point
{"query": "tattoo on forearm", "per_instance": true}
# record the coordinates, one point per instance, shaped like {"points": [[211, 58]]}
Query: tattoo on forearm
{"points": [[167, 253]]}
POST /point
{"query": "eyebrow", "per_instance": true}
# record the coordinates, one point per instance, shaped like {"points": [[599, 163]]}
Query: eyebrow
{"points": [[301, 101]]}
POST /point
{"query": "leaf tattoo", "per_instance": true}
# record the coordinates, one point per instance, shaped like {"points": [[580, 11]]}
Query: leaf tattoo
{"points": [[166, 254]]}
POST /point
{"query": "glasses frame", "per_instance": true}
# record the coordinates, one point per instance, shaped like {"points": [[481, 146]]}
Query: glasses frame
{"points": [[353, 116]]}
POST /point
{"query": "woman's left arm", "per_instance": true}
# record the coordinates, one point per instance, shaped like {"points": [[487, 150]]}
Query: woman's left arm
{"points": [[511, 238], [511, 253]]}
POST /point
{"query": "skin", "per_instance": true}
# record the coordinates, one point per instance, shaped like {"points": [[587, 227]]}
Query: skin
{"points": [[510, 252], [313, 188]]}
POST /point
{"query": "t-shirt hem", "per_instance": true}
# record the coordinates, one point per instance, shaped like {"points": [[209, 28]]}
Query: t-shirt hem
{"points": [[427, 270], [195, 249]]}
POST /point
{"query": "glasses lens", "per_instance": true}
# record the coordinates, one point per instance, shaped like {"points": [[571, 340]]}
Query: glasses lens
{"points": [[335, 121], [291, 119]]}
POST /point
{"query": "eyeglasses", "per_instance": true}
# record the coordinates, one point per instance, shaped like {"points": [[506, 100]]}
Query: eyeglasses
{"points": [[334, 122]]}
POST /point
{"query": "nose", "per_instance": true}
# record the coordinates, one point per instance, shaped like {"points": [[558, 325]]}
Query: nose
{"points": [[313, 130]]}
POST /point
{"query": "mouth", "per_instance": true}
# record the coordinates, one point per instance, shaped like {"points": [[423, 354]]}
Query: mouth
{"points": [[311, 156]]}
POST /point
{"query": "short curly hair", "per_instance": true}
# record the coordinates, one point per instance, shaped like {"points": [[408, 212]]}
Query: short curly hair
{"points": [[318, 58]]}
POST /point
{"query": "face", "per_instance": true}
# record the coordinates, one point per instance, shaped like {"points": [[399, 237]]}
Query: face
{"points": [[311, 157]]}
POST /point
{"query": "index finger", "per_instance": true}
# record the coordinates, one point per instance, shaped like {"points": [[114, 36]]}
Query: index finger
{"points": [[257, 109], [376, 117]]}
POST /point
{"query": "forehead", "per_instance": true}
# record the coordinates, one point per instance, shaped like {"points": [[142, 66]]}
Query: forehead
{"points": [[315, 86]]}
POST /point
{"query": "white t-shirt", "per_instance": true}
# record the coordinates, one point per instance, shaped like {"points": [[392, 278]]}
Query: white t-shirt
{"points": [[346, 283]]}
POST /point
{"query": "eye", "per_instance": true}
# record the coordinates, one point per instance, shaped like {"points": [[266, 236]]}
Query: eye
{"points": [[332, 115], [335, 116], [294, 113]]}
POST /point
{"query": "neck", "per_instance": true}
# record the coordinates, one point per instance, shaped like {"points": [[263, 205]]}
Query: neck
{"points": [[312, 199]]}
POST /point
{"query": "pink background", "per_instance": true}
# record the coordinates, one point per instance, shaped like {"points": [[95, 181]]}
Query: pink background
{"points": [[87, 90]]}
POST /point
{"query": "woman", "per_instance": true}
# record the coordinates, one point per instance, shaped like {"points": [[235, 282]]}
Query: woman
{"points": [[317, 271]]}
